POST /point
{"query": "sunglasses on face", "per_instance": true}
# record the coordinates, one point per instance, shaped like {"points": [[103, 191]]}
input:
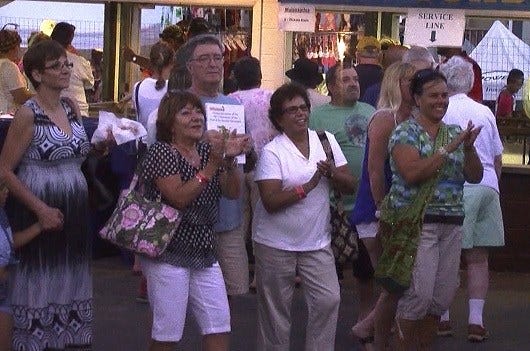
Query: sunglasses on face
{"points": [[292, 110]]}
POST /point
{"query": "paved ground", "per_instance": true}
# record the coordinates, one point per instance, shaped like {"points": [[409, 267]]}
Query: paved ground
{"points": [[122, 324]]}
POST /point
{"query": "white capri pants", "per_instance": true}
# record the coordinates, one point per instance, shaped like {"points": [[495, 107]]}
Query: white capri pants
{"points": [[172, 289]]}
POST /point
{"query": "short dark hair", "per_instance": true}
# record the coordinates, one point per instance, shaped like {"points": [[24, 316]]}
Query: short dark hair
{"points": [[172, 102], [198, 26], [63, 33], [514, 75], [247, 72], [423, 77], [37, 56], [285, 93], [331, 76]]}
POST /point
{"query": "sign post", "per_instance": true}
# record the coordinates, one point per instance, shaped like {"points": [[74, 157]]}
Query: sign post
{"points": [[435, 27]]}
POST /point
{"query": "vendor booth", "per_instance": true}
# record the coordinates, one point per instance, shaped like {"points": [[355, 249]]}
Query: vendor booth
{"points": [[326, 31]]}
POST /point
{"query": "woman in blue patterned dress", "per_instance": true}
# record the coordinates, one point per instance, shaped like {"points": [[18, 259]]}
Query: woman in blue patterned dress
{"points": [[40, 163]]}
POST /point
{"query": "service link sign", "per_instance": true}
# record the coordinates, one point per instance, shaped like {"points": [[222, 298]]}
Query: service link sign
{"points": [[435, 27]]}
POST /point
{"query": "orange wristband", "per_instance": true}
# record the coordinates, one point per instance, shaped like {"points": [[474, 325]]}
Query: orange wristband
{"points": [[299, 190], [201, 178]]}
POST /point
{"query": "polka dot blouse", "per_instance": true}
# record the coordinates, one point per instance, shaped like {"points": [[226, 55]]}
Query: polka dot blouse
{"points": [[193, 245]]}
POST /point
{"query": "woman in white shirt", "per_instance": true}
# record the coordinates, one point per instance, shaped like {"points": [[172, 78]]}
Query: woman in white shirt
{"points": [[13, 87], [291, 230], [147, 93]]}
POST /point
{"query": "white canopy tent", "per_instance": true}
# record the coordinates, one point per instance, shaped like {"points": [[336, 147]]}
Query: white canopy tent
{"points": [[497, 53]]}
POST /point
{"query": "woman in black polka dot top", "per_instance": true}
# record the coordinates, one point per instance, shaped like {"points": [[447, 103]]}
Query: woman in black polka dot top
{"points": [[190, 172]]}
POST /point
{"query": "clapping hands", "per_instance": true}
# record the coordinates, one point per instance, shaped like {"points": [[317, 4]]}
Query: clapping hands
{"points": [[468, 137], [227, 144]]}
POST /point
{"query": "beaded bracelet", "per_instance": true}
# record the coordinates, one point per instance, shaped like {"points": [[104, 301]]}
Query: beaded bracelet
{"points": [[300, 192], [201, 178]]}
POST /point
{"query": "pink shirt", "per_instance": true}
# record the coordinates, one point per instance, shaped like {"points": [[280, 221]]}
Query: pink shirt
{"points": [[257, 122]]}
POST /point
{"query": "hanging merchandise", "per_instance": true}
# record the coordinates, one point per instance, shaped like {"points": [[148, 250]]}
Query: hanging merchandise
{"points": [[334, 39]]}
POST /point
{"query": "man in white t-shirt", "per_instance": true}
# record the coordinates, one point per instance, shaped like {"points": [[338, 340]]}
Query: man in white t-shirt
{"points": [[483, 225]]}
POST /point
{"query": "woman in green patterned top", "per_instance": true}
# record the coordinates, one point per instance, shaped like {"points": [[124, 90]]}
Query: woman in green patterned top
{"points": [[414, 160]]}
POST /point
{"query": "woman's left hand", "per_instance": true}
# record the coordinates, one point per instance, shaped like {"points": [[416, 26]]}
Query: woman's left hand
{"points": [[467, 137], [238, 144], [326, 168], [471, 135], [233, 144], [106, 144]]}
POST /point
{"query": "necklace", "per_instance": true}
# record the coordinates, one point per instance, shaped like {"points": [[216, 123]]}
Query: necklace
{"points": [[191, 155]]}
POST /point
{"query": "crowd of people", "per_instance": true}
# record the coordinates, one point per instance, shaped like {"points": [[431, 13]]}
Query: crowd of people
{"points": [[426, 146]]}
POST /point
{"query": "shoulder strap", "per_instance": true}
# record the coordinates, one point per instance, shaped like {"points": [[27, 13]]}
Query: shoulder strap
{"points": [[137, 104], [427, 188], [73, 106], [326, 145], [329, 155]]}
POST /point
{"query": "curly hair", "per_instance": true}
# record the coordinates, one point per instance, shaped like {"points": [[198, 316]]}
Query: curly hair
{"points": [[9, 39], [285, 93]]}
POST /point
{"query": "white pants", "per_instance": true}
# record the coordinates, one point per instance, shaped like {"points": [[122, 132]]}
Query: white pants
{"points": [[172, 289]]}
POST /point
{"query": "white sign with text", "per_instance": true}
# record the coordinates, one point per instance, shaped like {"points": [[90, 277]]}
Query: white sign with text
{"points": [[226, 117], [435, 27], [297, 18]]}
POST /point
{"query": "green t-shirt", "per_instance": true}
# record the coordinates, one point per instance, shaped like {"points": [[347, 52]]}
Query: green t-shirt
{"points": [[350, 126]]}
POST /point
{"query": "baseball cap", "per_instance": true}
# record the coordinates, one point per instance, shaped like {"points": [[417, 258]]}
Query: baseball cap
{"points": [[368, 43]]}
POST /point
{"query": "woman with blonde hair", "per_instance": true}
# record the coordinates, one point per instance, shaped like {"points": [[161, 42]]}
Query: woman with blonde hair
{"points": [[394, 106]]}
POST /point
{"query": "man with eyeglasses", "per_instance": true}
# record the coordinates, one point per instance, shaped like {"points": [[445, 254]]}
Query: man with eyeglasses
{"points": [[347, 119], [204, 60]]}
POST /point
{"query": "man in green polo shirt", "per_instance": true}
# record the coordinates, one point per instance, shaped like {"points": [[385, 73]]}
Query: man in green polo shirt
{"points": [[345, 117]]}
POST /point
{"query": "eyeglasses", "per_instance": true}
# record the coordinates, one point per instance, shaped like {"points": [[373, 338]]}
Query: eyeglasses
{"points": [[292, 110], [57, 66], [206, 59]]}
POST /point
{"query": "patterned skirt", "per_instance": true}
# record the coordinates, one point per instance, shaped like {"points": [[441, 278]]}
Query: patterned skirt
{"points": [[51, 287]]}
